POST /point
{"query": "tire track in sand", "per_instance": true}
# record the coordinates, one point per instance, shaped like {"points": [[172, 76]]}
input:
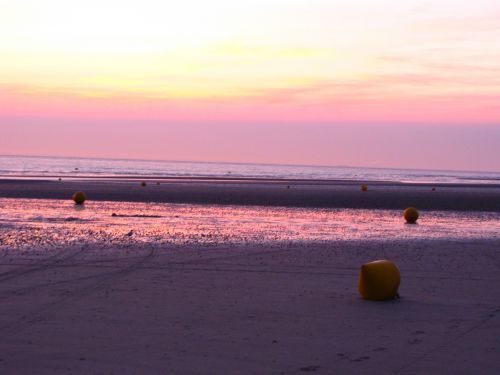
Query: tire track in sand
{"points": [[40, 313]]}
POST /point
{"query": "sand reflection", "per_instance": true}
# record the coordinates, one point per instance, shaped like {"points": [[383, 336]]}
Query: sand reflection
{"points": [[29, 223]]}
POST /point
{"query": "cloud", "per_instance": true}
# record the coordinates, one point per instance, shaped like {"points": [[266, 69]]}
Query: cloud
{"points": [[325, 102]]}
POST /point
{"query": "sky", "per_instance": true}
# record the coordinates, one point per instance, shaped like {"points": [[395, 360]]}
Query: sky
{"points": [[386, 83]]}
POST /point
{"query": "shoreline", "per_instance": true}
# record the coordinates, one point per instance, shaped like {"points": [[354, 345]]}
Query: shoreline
{"points": [[264, 192]]}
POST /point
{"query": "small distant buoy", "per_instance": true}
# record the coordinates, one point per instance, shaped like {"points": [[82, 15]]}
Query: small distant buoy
{"points": [[143, 183], [379, 280], [76, 169], [364, 187], [60, 179], [288, 186], [79, 197], [433, 189], [158, 183], [411, 215]]}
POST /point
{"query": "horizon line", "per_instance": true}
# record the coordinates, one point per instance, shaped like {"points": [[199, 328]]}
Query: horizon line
{"points": [[243, 163]]}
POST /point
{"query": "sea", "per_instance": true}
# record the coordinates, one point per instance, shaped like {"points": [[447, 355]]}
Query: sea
{"points": [[31, 166], [48, 223]]}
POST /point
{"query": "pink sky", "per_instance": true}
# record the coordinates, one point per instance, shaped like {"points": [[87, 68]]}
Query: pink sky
{"points": [[335, 82]]}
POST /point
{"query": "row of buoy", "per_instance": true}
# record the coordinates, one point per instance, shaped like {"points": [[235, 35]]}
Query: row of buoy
{"points": [[378, 280], [79, 197], [410, 214]]}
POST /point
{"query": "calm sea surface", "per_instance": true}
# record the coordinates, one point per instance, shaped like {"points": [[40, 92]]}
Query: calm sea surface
{"points": [[45, 166]]}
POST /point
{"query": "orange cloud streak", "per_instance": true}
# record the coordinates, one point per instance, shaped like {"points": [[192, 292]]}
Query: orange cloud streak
{"points": [[327, 103]]}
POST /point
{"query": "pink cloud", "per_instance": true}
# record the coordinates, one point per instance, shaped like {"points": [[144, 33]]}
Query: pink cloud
{"points": [[356, 102]]}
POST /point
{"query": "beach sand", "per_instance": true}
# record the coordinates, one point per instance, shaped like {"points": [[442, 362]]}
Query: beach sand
{"points": [[261, 308], [290, 193]]}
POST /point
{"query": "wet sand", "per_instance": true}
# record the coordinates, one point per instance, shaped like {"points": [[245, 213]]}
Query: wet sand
{"points": [[288, 193], [276, 310]]}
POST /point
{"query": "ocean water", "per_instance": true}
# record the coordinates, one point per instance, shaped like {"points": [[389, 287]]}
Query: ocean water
{"points": [[11, 166]]}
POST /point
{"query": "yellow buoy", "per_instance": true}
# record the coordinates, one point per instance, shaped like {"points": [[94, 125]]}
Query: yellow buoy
{"points": [[411, 215], [79, 197], [364, 187], [379, 280]]}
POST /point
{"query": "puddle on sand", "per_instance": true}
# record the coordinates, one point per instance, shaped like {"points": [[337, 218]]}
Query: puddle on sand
{"points": [[32, 223]]}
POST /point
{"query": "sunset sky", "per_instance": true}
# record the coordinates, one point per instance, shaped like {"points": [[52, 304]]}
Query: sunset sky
{"points": [[382, 83]]}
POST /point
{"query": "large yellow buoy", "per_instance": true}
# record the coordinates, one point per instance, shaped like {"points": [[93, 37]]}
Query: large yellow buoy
{"points": [[79, 197], [364, 187], [411, 215], [379, 280]]}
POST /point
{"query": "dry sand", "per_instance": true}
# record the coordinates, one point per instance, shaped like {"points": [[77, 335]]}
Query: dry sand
{"points": [[251, 310]]}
